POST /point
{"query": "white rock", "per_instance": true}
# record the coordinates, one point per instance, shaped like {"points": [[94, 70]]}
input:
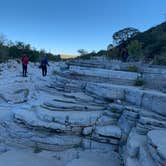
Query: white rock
{"points": [[87, 130], [109, 131]]}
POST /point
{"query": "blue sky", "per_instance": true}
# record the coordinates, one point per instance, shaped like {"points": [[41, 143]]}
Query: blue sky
{"points": [[64, 26]]}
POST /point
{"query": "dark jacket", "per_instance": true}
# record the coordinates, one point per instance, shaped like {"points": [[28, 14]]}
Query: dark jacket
{"points": [[44, 62]]}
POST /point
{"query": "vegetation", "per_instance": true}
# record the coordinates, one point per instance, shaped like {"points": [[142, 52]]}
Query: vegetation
{"points": [[124, 34], [148, 46], [37, 149], [15, 50], [113, 109], [139, 82], [134, 49], [133, 68]]}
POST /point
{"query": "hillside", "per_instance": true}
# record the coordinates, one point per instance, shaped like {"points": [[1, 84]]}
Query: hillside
{"points": [[153, 41], [149, 46]]}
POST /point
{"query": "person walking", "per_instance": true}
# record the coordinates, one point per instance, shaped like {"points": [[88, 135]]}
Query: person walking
{"points": [[44, 64], [24, 61]]}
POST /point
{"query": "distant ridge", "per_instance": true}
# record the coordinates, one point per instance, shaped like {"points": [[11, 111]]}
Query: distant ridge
{"points": [[67, 56]]}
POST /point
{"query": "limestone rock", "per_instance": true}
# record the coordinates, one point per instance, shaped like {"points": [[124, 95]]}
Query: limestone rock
{"points": [[109, 131], [157, 145]]}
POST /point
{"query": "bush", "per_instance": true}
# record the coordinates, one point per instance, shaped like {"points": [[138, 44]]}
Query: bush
{"points": [[132, 68], [139, 82], [114, 53], [160, 60], [135, 50]]}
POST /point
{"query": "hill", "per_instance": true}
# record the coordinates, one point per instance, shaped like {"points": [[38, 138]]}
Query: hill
{"points": [[149, 46], [67, 56]]}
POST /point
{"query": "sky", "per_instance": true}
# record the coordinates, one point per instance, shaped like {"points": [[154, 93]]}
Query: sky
{"points": [[64, 26]]}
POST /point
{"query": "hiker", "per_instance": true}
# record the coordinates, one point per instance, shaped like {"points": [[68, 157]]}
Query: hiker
{"points": [[24, 61], [43, 65]]}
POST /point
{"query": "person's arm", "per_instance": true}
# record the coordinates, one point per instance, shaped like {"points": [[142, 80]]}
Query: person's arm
{"points": [[47, 63]]}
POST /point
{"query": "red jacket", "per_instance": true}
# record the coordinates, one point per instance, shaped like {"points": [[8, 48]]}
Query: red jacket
{"points": [[24, 60]]}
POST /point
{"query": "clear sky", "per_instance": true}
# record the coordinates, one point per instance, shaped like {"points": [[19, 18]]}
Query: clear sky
{"points": [[64, 26]]}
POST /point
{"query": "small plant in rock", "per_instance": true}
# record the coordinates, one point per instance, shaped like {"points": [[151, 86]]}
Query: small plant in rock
{"points": [[139, 82], [54, 72], [132, 68], [37, 149], [114, 109]]}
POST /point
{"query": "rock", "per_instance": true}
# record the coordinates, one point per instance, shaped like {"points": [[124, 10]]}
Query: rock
{"points": [[134, 142], [106, 91], [52, 120], [87, 130], [157, 145], [109, 131], [131, 162], [96, 158], [92, 144], [144, 157]]}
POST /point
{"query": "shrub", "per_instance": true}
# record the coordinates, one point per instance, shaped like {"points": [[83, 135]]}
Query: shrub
{"points": [[160, 60], [114, 109], [132, 68], [135, 50], [114, 53], [139, 82], [37, 149]]}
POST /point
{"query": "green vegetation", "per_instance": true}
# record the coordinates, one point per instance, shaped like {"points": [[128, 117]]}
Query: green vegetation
{"points": [[54, 72], [134, 49], [132, 68], [139, 82], [11, 50], [113, 109], [148, 46], [37, 149]]}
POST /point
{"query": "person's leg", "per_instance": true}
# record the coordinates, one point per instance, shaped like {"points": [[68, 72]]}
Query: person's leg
{"points": [[25, 70], [43, 71]]}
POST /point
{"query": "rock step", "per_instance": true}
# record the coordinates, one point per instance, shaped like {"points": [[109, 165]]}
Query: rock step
{"points": [[21, 134], [157, 146], [55, 105], [76, 73], [149, 99], [96, 158], [131, 162], [78, 96], [92, 63], [62, 121], [56, 120], [146, 124], [109, 131], [103, 73], [137, 150]]}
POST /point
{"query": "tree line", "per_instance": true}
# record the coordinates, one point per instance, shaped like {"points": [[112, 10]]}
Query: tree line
{"points": [[15, 50]]}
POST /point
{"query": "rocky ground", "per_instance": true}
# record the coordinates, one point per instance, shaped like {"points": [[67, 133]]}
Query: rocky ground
{"points": [[83, 113]]}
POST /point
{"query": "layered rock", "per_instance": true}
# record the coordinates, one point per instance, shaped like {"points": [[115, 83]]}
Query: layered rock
{"points": [[90, 105]]}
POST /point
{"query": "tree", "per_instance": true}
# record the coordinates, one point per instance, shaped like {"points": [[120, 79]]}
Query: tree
{"points": [[110, 47], [124, 34], [82, 52], [135, 50], [2, 39]]}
